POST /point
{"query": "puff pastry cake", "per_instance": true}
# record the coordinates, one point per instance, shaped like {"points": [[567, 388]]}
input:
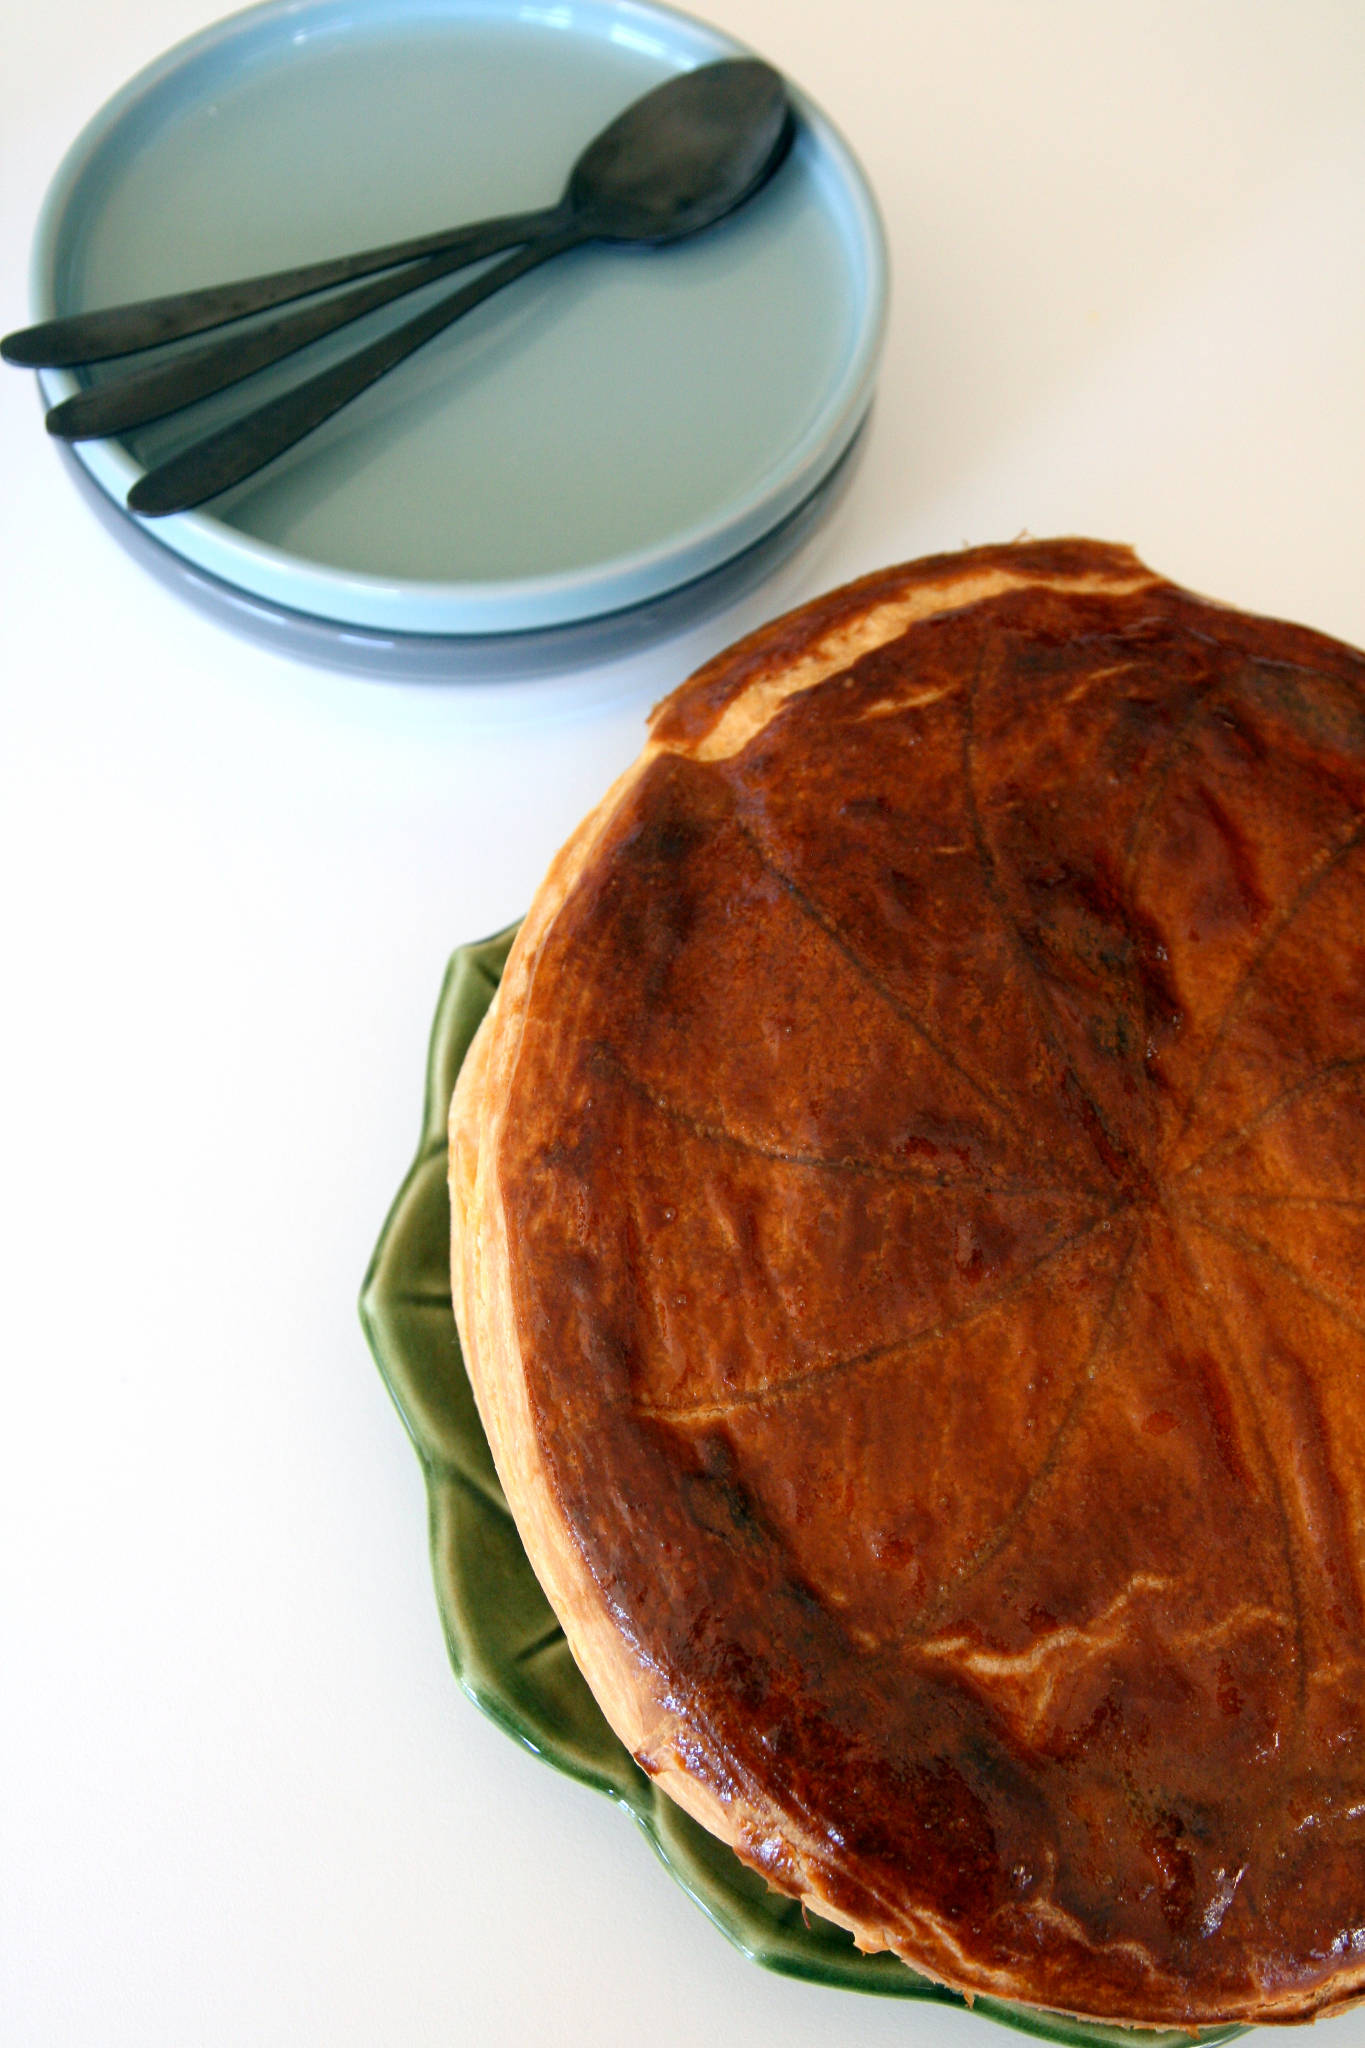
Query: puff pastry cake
{"points": [[909, 1249]]}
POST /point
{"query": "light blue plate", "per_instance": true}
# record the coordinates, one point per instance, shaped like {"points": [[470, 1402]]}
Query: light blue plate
{"points": [[621, 424]]}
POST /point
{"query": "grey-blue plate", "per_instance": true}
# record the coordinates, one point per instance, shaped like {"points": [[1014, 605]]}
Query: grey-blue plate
{"points": [[616, 427]]}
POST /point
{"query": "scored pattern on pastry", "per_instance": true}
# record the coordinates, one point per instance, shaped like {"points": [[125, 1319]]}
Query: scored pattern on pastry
{"points": [[931, 1171]]}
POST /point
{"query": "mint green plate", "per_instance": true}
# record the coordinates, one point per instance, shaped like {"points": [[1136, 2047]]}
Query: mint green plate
{"points": [[508, 1650]]}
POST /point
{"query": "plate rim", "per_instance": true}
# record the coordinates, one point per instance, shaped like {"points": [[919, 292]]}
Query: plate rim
{"points": [[490, 606]]}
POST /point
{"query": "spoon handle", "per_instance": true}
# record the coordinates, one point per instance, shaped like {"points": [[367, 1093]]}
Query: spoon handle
{"points": [[239, 450], [149, 393], [145, 323]]}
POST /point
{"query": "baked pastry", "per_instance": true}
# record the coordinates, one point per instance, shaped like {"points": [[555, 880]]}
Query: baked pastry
{"points": [[909, 1248]]}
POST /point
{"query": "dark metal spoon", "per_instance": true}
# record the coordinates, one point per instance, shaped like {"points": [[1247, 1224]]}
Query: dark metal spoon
{"points": [[147, 323], [743, 97], [674, 162]]}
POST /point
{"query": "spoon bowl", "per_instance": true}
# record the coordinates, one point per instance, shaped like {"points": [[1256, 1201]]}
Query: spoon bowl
{"points": [[684, 155]]}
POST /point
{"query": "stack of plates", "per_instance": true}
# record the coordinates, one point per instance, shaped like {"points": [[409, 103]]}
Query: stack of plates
{"points": [[618, 442]]}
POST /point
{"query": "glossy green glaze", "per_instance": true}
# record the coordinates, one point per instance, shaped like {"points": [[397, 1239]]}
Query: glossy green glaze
{"points": [[508, 1650]]}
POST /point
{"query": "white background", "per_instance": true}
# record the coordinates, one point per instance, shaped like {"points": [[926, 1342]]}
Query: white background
{"points": [[241, 1798]]}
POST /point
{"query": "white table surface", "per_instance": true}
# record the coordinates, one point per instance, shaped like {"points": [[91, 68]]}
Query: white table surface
{"points": [[242, 1799]]}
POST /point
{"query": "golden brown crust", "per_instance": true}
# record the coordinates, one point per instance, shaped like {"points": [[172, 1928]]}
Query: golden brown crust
{"points": [[908, 1221]]}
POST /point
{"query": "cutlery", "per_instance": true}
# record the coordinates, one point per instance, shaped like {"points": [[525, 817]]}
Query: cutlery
{"points": [[672, 163]]}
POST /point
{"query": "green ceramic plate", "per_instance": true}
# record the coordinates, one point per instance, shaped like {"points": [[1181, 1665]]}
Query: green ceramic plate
{"points": [[508, 1650]]}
